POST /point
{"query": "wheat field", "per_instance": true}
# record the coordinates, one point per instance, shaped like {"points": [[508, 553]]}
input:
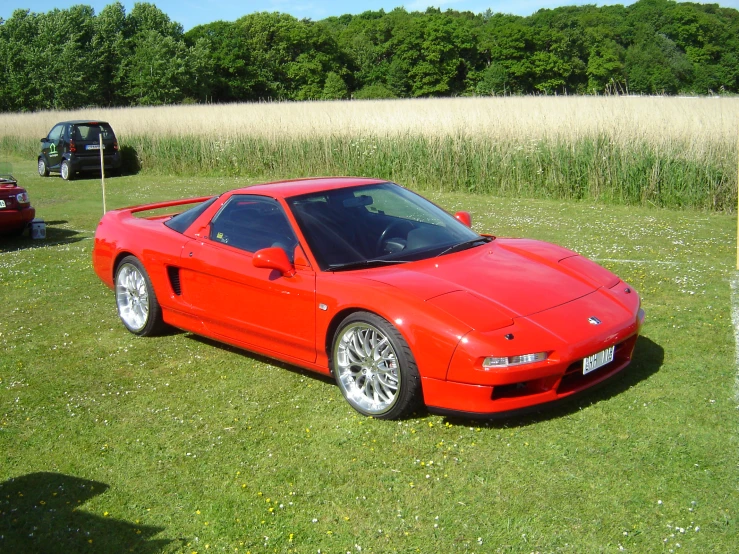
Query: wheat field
{"points": [[663, 151], [699, 121]]}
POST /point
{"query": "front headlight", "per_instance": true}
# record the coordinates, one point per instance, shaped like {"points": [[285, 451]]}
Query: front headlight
{"points": [[508, 361]]}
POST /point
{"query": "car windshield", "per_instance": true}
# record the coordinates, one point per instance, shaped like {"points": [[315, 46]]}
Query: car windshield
{"points": [[381, 224]]}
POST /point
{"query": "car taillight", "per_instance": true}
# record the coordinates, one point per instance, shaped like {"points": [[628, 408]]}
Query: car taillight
{"points": [[115, 145], [22, 198], [72, 147]]}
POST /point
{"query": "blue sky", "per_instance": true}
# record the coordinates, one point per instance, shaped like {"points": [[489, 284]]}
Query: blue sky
{"points": [[190, 13]]}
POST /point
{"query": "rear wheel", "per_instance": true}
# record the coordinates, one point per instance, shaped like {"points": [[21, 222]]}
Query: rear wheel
{"points": [[66, 171], [374, 367], [43, 171], [137, 304]]}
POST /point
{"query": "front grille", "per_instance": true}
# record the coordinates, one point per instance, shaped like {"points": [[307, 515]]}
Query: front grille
{"points": [[573, 378], [524, 388]]}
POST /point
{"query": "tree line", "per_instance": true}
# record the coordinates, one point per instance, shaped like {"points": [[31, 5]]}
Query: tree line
{"points": [[65, 59]]}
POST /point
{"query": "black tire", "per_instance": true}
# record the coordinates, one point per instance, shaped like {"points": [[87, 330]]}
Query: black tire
{"points": [[66, 171], [135, 299], [43, 170], [384, 382]]}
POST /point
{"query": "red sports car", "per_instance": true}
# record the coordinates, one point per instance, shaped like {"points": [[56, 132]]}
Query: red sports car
{"points": [[366, 281], [16, 211]]}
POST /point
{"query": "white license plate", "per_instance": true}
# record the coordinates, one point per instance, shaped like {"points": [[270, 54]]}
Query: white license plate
{"points": [[92, 147], [597, 360], [2, 203]]}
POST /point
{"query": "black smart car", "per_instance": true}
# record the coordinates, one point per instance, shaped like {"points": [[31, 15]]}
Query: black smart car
{"points": [[74, 146]]}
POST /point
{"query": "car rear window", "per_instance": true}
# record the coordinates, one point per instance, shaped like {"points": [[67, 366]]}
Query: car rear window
{"points": [[181, 222], [90, 131]]}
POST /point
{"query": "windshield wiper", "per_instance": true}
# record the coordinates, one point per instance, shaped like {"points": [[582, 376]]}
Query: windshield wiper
{"points": [[364, 264], [464, 245]]}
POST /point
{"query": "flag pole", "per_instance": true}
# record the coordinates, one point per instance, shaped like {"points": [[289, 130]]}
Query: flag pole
{"points": [[102, 172]]}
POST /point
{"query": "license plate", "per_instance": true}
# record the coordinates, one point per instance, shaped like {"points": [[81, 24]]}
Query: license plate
{"points": [[597, 360], [2, 203], [92, 147]]}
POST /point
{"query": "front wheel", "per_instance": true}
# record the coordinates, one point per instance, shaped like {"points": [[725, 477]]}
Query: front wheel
{"points": [[43, 171], [374, 367], [66, 171], [137, 304]]}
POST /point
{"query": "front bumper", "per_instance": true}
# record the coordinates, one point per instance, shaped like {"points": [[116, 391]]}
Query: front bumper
{"points": [[474, 391], [487, 402]]}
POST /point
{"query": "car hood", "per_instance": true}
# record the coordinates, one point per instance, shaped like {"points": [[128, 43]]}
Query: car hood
{"points": [[486, 287]]}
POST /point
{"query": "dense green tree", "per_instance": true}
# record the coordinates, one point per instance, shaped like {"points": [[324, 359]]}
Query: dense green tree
{"points": [[291, 58], [335, 87], [147, 17], [374, 92], [656, 66], [156, 70], [605, 68], [74, 57], [506, 44], [234, 74], [110, 48], [18, 83]]}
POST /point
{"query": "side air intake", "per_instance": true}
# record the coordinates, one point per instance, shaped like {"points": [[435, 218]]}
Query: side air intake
{"points": [[174, 279]]}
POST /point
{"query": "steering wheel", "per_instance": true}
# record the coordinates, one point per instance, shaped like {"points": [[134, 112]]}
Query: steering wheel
{"points": [[386, 231]]}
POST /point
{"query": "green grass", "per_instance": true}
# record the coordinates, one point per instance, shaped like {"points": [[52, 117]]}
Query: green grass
{"points": [[589, 168], [112, 443]]}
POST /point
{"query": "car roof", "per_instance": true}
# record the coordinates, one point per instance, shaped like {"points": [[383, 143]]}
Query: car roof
{"points": [[295, 187], [83, 122]]}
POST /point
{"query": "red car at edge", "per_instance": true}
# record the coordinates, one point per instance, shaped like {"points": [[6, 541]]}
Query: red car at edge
{"points": [[361, 279], [16, 211]]}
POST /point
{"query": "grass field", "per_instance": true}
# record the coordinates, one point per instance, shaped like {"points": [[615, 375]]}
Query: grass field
{"points": [[112, 443], [650, 151]]}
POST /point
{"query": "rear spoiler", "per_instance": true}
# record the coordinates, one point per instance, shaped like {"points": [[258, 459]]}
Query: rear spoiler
{"points": [[167, 204]]}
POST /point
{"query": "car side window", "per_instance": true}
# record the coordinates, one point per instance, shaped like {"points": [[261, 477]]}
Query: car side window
{"points": [[251, 223], [56, 133]]}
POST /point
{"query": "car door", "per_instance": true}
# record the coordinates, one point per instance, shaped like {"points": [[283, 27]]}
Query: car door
{"points": [[254, 307], [52, 146]]}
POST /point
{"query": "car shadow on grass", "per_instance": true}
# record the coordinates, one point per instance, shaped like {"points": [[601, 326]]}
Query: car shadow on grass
{"points": [[263, 359], [56, 233], [42, 512], [90, 176], [647, 360], [329, 380]]}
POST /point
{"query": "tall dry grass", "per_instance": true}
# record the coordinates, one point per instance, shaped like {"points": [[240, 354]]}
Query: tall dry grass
{"points": [[650, 150]]}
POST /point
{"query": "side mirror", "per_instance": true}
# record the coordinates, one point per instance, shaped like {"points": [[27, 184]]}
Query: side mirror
{"points": [[274, 258], [464, 217], [43, 139]]}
